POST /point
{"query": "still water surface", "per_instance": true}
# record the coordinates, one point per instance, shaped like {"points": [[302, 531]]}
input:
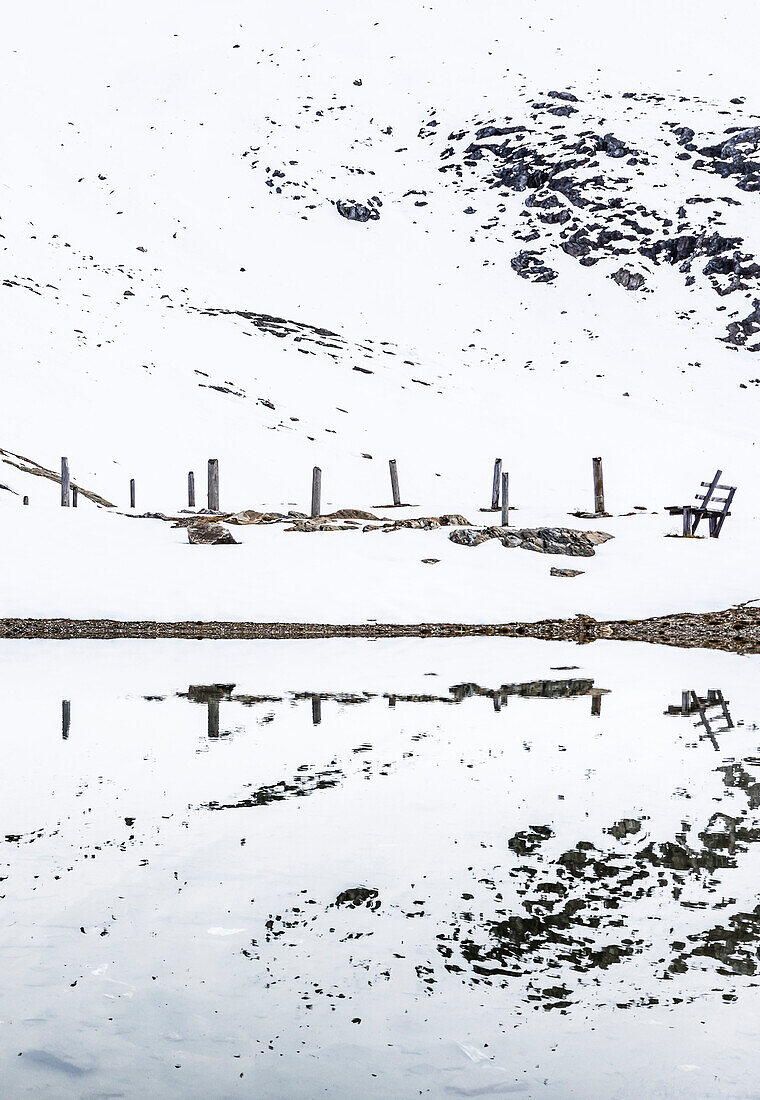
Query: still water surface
{"points": [[469, 867]]}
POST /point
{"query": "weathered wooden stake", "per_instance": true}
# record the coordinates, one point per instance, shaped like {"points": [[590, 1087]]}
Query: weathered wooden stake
{"points": [[213, 484], [596, 706], [26, 500], [65, 718], [316, 492], [74, 496], [191, 489], [213, 718], [394, 482], [505, 500], [598, 487], [131, 492], [316, 710], [496, 485], [65, 481]]}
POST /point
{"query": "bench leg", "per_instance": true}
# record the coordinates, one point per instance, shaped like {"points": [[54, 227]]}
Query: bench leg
{"points": [[687, 521]]}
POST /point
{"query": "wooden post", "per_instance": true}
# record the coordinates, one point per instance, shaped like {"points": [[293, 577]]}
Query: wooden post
{"points": [[596, 706], [687, 520], [316, 492], [191, 489], [26, 500], [131, 492], [391, 700], [394, 482], [496, 485], [213, 718], [213, 484], [65, 718], [65, 483], [598, 487], [74, 496], [316, 710], [686, 702], [505, 500]]}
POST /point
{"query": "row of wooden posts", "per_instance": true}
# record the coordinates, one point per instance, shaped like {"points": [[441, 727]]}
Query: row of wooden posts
{"points": [[499, 492]]}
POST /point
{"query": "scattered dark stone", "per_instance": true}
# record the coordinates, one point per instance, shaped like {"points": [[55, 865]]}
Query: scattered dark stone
{"points": [[356, 896], [630, 280], [356, 211], [529, 266]]}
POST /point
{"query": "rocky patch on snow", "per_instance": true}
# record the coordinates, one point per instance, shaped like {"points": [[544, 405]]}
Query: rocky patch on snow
{"points": [[543, 540]]}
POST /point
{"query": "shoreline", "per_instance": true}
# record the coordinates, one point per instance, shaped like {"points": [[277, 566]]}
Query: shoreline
{"points": [[735, 630]]}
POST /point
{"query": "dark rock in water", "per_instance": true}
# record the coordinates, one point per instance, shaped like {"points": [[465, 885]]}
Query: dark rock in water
{"points": [[356, 211], [627, 826], [563, 111], [528, 840], [210, 534], [357, 895], [528, 266], [567, 96], [207, 693], [631, 280]]}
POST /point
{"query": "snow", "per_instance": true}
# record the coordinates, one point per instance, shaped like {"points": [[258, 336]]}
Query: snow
{"points": [[163, 106]]}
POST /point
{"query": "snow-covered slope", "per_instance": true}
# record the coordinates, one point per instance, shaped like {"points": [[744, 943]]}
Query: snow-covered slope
{"points": [[178, 280]]}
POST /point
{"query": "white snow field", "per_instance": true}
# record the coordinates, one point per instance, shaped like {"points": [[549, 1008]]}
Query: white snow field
{"points": [[169, 186], [163, 162]]}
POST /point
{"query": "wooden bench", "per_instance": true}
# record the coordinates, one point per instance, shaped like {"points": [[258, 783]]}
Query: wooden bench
{"points": [[693, 514]]}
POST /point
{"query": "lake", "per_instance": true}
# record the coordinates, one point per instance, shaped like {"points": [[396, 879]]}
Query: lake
{"points": [[402, 868]]}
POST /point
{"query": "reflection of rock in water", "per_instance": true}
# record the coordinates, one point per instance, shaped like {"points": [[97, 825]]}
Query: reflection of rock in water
{"points": [[578, 909], [304, 783]]}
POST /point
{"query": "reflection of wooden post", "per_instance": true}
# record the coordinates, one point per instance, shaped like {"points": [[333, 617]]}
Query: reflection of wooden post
{"points": [[596, 706], [496, 485], [64, 483], [213, 718], [316, 710], [74, 496], [131, 492], [26, 500], [505, 500], [65, 718], [191, 489], [598, 487], [213, 484], [316, 492], [394, 482]]}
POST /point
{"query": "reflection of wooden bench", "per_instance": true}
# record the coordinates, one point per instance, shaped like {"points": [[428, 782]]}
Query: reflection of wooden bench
{"points": [[693, 514]]}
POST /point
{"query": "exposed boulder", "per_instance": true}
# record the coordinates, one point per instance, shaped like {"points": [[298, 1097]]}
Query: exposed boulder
{"points": [[543, 540], [554, 572], [358, 895], [356, 211], [630, 280], [528, 266], [210, 534]]}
